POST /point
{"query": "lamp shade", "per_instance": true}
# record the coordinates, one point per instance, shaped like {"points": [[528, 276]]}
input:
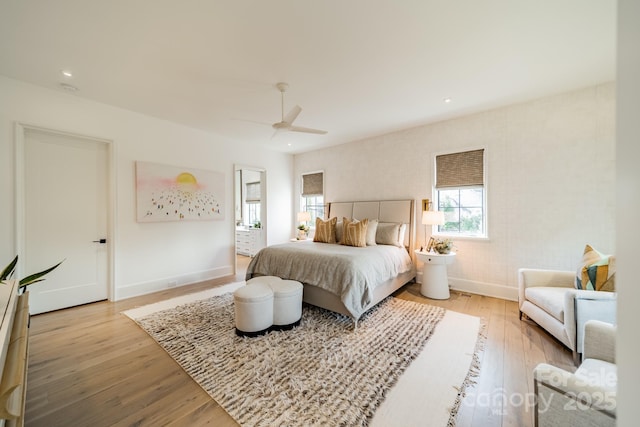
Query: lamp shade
{"points": [[433, 218], [304, 216]]}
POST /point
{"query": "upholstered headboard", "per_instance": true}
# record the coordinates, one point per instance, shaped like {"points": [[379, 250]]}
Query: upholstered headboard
{"points": [[383, 210]]}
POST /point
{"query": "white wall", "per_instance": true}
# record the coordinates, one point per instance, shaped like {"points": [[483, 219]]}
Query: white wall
{"points": [[147, 255], [551, 181], [628, 184]]}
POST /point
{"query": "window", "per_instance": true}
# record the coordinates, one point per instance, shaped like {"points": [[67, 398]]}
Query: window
{"points": [[253, 213], [312, 197], [460, 193], [253, 202]]}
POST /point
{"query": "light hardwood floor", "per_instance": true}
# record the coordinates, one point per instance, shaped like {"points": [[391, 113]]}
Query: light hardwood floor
{"points": [[93, 366]]}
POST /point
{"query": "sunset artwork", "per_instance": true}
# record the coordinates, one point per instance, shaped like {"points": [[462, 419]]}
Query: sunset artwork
{"points": [[170, 193]]}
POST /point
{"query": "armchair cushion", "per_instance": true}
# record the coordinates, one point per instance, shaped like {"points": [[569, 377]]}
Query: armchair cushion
{"points": [[550, 299], [600, 341], [596, 272], [566, 399], [598, 373], [588, 396]]}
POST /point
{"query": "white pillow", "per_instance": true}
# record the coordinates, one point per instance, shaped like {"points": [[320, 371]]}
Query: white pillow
{"points": [[372, 228], [391, 233], [403, 229], [387, 233], [339, 231]]}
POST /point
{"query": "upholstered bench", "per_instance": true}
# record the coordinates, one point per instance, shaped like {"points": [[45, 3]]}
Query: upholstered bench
{"points": [[285, 305], [253, 307]]}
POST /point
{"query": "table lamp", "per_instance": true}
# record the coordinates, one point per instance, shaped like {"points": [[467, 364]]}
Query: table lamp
{"points": [[430, 218], [304, 217]]}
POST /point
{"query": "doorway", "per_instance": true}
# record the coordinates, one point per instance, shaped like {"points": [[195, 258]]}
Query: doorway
{"points": [[63, 214], [250, 201]]}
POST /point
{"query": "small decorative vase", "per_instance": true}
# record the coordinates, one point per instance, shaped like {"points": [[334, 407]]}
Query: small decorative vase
{"points": [[302, 235], [443, 251]]}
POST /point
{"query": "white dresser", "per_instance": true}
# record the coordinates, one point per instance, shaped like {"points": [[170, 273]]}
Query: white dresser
{"points": [[248, 241], [14, 353]]}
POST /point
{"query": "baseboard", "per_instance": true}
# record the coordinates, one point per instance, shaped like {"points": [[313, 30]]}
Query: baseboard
{"points": [[481, 288], [487, 289], [143, 288]]}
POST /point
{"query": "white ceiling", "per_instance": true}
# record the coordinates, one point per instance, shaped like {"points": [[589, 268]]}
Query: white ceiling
{"points": [[358, 68]]}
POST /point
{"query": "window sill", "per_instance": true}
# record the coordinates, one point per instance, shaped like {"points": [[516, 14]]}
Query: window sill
{"points": [[461, 237]]}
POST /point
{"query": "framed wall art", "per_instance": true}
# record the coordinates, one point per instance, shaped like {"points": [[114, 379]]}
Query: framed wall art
{"points": [[172, 193]]}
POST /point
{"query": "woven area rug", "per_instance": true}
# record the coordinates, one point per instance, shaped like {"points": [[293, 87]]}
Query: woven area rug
{"points": [[323, 372]]}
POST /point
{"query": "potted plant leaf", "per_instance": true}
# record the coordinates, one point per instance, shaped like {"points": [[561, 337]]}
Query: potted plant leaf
{"points": [[303, 229], [8, 271], [443, 246]]}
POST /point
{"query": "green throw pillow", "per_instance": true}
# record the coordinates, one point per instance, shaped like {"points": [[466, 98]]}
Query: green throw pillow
{"points": [[596, 272]]}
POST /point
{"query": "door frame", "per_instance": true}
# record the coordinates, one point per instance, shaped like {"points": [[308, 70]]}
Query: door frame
{"points": [[20, 129], [263, 207]]}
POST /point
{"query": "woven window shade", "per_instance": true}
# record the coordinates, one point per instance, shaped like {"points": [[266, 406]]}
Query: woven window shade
{"points": [[253, 192], [460, 169], [312, 184]]}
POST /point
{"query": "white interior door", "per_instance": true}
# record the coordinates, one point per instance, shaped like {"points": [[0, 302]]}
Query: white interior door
{"points": [[65, 217]]}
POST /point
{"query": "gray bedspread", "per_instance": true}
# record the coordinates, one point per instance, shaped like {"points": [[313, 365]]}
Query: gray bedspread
{"points": [[348, 272]]}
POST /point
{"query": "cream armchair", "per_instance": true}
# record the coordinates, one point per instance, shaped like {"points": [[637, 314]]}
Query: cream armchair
{"points": [[549, 298], [587, 397]]}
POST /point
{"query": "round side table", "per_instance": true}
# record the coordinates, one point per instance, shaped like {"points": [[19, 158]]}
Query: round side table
{"points": [[435, 283]]}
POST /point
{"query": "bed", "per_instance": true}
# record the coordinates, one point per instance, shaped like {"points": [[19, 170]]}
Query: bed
{"points": [[345, 279]]}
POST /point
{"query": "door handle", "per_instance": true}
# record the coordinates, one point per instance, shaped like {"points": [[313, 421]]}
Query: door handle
{"points": [[101, 241]]}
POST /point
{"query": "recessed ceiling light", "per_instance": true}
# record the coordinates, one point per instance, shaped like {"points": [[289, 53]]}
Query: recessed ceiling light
{"points": [[67, 73], [447, 100], [68, 87]]}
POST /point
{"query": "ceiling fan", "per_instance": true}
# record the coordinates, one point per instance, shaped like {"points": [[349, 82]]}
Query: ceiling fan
{"points": [[286, 124]]}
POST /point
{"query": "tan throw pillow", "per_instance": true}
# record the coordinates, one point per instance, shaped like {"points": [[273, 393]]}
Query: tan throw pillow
{"points": [[372, 227], [354, 233], [340, 227], [325, 231]]}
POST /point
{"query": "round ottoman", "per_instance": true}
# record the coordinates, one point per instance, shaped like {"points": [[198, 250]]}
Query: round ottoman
{"points": [[287, 304], [253, 309], [264, 280]]}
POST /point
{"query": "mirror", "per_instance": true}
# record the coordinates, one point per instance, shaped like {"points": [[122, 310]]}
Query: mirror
{"points": [[250, 203]]}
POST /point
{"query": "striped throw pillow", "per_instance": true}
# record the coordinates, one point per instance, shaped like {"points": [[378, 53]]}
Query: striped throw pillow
{"points": [[325, 231], [354, 233]]}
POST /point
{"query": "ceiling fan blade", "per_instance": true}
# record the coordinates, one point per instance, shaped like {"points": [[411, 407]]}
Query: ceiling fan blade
{"points": [[307, 130], [286, 124], [291, 116]]}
